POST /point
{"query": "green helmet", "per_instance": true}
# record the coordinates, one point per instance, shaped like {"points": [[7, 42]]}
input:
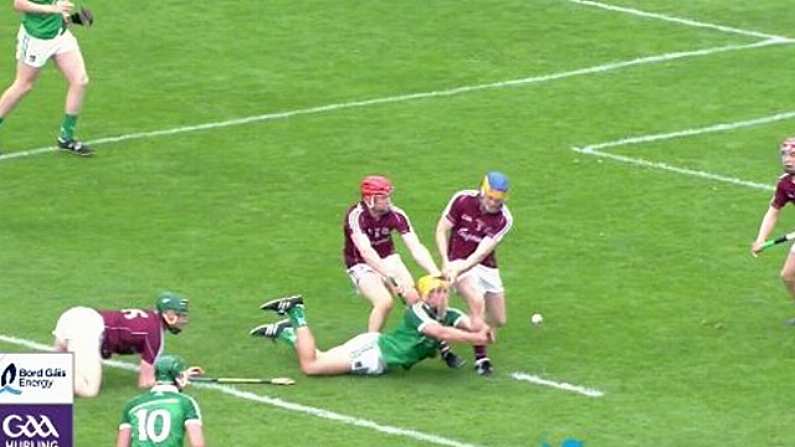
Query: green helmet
{"points": [[168, 367], [171, 301]]}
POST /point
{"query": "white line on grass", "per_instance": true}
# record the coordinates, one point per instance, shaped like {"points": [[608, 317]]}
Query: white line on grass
{"points": [[689, 22], [279, 403], [409, 97], [676, 169], [695, 131], [594, 149], [590, 392]]}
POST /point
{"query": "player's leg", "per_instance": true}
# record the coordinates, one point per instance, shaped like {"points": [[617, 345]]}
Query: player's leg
{"points": [[371, 286], [495, 309], [788, 277], [79, 331], [70, 62], [469, 288], [23, 83], [403, 277]]}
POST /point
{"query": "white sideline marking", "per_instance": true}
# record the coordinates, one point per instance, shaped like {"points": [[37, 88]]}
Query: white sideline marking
{"points": [[696, 131], [590, 392], [667, 18], [285, 405], [594, 149], [678, 170], [409, 97]]}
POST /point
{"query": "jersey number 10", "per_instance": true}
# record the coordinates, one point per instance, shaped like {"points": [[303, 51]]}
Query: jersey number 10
{"points": [[147, 425]]}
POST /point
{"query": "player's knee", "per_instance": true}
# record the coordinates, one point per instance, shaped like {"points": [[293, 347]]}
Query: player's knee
{"points": [[384, 305], [500, 321], [310, 369], [80, 81]]}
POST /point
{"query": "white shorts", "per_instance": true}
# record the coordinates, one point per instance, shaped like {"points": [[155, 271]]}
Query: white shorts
{"points": [[487, 279], [365, 354], [36, 52], [393, 264], [80, 330]]}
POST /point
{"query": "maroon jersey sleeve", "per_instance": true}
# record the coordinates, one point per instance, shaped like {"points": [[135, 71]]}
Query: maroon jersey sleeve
{"points": [[400, 221], [785, 192], [453, 210]]}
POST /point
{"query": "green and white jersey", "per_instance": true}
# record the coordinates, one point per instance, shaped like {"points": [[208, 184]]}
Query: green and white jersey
{"points": [[407, 345], [43, 26], [158, 417]]}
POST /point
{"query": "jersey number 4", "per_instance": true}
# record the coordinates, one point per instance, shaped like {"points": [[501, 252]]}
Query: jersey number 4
{"points": [[148, 429]]}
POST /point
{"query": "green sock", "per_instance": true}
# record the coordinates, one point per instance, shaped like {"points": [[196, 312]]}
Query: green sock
{"points": [[288, 336], [297, 316], [68, 126]]}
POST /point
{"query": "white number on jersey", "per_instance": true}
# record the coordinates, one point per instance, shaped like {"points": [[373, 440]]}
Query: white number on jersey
{"points": [[147, 425], [131, 314]]}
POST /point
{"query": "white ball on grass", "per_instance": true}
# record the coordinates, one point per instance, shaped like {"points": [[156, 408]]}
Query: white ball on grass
{"points": [[536, 319]]}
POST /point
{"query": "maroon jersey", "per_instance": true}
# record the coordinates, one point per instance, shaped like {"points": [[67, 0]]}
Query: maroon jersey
{"points": [[471, 225], [785, 192], [132, 331], [379, 231]]}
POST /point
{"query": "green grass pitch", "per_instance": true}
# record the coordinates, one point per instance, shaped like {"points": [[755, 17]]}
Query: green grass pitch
{"points": [[643, 275]]}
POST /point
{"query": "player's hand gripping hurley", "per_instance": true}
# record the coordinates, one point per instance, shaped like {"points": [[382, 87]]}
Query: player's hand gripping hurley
{"points": [[780, 240]]}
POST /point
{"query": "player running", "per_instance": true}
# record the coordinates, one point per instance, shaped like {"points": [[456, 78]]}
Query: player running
{"points": [[425, 325], [472, 225], [96, 334], [785, 193], [42, 36], [161, 416]]}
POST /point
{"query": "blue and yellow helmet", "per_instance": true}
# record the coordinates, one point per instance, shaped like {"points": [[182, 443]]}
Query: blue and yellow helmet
{"points": [[495, 185]]}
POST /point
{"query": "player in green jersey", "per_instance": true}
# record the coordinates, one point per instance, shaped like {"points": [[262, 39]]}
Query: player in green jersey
{"points": [[162, 416], [424, 326], [42, 36]]}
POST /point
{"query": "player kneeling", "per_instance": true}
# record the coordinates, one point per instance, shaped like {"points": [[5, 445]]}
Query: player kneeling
{"points": [[162, 416], [424, 326]]}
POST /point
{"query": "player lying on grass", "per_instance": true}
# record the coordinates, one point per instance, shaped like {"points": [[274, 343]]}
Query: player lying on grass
{"points": [[162, 415], [424, 326], [96, 334]]}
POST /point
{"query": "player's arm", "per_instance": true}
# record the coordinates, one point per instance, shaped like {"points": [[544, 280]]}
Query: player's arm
{"points": [[369, 254], [146, 375], [59, 7], [486, 246], [420, 253], [442, 234], [123, 437], [195, 434], [454, 335], [765, 228]]}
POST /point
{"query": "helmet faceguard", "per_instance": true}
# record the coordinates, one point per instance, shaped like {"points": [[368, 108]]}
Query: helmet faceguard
{"points": [[375, 185]]}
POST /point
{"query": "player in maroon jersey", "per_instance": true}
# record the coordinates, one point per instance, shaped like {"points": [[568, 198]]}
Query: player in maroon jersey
{"points": [[785, 193], [472, 225], [375, 268], [96, 334]]}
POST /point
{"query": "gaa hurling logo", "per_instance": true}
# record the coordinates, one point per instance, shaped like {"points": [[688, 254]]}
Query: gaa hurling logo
{"points": [[7, 378], [15, 426]]}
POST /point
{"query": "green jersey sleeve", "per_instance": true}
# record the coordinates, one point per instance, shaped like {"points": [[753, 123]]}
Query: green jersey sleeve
{"points": [[191, 409], [125, 415], [454, 317]]}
